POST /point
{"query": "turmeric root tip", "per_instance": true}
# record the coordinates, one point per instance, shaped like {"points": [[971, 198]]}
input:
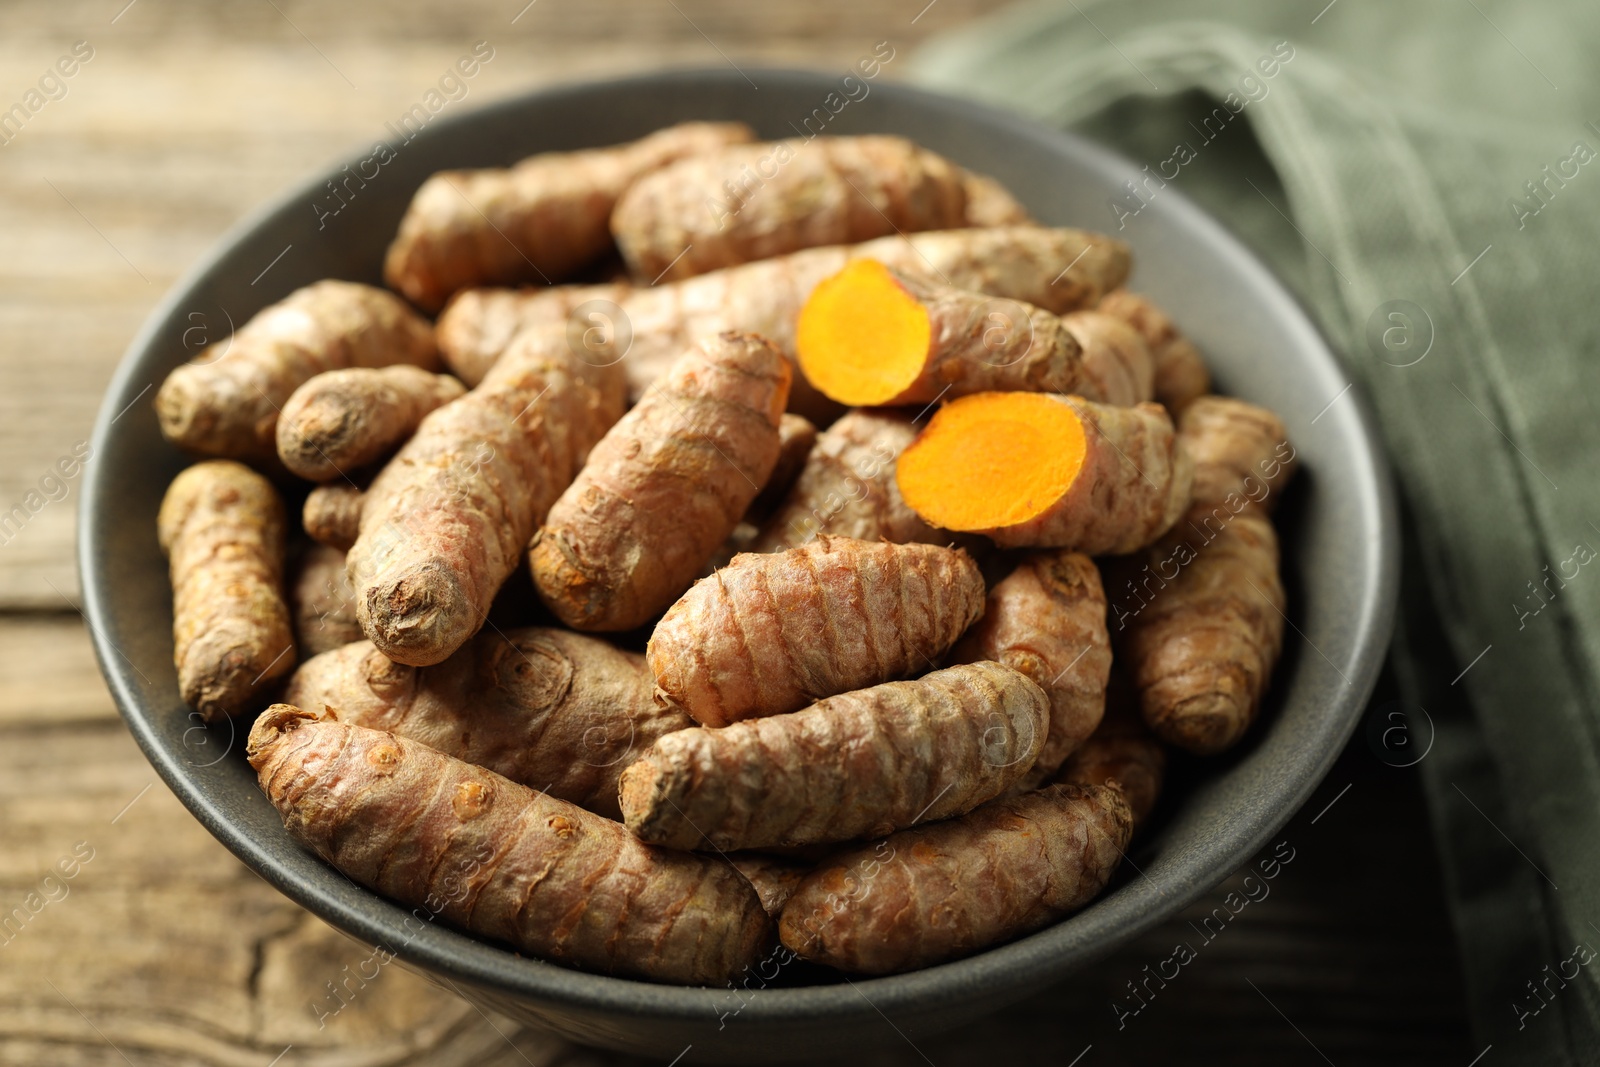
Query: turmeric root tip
{"points": [[774, 878], [332, 514], [871, 334], [344, 419], [1039, 469]]}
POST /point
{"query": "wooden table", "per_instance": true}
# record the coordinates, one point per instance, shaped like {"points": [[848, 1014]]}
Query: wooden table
{"points": [[162, 948]]}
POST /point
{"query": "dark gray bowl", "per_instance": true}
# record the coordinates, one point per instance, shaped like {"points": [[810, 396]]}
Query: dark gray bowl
{"points": [[1340, 553]]}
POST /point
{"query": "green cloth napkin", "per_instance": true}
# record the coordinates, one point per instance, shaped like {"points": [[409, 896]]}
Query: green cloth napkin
{"points": [[1415, 171]]}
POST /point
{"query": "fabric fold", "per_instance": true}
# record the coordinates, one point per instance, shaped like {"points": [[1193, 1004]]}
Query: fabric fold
{"points": [[1422, 176]]}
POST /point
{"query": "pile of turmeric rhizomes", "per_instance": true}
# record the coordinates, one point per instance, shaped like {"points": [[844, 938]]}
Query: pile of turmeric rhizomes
{"points": [[854, 458]]}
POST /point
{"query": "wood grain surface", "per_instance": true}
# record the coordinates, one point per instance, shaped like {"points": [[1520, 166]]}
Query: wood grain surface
{"points": [[161, 948]]}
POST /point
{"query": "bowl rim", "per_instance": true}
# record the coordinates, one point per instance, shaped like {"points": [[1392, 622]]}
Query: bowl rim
{"points": [[1040, 957]]}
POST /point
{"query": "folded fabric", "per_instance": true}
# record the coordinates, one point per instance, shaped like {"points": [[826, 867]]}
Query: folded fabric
{"points": [[1427, 177]]}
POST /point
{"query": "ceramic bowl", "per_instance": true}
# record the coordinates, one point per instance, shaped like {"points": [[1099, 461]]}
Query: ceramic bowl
{"points": [[1339, 538]]}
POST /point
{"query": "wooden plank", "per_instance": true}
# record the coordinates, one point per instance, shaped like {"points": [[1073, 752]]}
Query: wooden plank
{"points": [[48, 674]]}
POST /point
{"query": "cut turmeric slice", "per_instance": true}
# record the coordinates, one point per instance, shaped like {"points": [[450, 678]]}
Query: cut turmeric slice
{"points": [[874, 335], [863, 312], [1036, 469]]}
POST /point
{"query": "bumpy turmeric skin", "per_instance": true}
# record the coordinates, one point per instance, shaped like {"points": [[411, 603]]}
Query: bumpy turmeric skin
{"points": [[226, 402], [772, 633], [331, 514], [1241, 452], [1122, 752], [703, 213], [847, 488], [857, 765], [343, 420], [222, 527], [1058, 269], [323, 601], [1181, 376], [1201, 647], [447, 520], [538, 221], [553, 710], [664, 487], [949, 889], [501, 860], [1047, 619]]}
